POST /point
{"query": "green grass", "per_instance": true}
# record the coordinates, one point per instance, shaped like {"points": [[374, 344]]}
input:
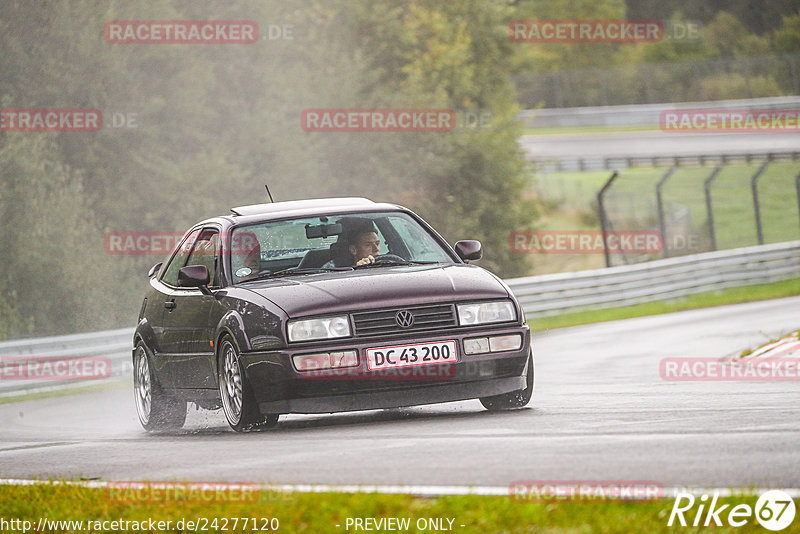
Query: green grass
{"points": [[773, 290], [571, 200], [321, 512], [631, 200]]}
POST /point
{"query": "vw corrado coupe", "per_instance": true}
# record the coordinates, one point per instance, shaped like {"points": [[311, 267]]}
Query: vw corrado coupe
{"points": [[322, 306]]}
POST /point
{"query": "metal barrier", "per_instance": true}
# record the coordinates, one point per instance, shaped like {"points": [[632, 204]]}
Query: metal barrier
{"points": [[600, 163], [539, 296], [116, 345], [553, 294], [639, 114]]}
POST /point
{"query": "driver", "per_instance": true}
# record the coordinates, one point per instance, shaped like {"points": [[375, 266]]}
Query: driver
{"points": [[364, 248], [361, 244]]}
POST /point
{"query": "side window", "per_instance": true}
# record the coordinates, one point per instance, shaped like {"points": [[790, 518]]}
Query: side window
{"points": [[205, 253], [178, 261]]}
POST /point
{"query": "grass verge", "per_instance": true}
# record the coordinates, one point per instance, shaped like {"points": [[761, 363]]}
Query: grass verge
{"points": [[787, 288], [328, 512]]}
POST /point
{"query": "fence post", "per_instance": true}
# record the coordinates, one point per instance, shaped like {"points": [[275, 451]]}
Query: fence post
{"points": [[601, 208], [797, 186], [756, 206], [660, 204], [795, 76], [709, 210]]}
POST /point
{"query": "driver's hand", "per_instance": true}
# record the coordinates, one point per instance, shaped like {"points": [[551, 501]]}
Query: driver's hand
{"points": [[364, 261]]}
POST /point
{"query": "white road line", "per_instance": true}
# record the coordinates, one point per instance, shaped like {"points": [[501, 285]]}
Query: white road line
{"points": [[424, 491]]}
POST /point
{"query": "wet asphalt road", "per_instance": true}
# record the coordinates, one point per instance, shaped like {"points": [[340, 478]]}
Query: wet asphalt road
{"points": [[600, 411]]}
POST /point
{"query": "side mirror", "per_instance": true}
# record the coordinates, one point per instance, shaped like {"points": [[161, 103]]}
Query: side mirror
{"points": [[154, 269], [195, 276], [469, 249]]}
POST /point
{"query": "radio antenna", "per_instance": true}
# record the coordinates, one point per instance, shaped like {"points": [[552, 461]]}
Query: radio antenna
{"points": [[270, 194]]}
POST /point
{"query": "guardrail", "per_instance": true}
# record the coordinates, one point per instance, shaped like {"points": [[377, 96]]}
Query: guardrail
{"points": [[656, 280], [116, 345], [606, 163], [539, 296], [640, 114]]}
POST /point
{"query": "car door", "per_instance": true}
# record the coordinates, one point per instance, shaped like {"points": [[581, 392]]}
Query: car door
{"points": [[187, 332]]}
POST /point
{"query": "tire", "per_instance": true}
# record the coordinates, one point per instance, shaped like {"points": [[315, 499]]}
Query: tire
{"points": [[156, 411], [238, 402], [514, 399]]}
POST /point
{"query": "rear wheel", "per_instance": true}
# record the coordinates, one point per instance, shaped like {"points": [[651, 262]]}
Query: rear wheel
{"points": [[238, 402], [156, 411], [515, 399]]}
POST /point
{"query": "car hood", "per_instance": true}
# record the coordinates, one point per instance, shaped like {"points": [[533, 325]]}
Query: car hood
{"points": [[379, 287]]}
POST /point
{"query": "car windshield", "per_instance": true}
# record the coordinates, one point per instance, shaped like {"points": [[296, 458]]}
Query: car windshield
{"points": [[331, 243]]}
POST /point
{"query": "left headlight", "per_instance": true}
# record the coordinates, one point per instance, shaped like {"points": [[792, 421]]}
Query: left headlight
{"points": [[496, 311], [322, 328]]}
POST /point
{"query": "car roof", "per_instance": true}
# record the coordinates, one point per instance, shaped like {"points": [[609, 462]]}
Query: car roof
{"points": [[294, 205], [300, 208]]}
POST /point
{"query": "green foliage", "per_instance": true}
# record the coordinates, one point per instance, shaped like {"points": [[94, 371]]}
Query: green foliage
{"points": [[787, 37], [55, 272], [736, 54], [214, 123]]}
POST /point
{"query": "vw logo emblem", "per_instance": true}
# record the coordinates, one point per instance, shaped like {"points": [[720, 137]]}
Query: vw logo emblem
{"points": [[404, 318]]}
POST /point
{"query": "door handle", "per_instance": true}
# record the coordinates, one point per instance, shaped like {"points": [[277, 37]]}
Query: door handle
{"points": [[170, 304]]}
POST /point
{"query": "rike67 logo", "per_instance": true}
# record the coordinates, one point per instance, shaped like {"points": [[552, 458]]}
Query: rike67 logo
{"points": [[774, 511]]}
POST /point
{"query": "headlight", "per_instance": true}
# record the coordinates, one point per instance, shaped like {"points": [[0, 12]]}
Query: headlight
{"points": [[323, 328], [498, 311]]}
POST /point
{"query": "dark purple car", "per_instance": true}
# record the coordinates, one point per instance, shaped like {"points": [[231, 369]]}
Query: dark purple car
{"points": [[322, 306]]}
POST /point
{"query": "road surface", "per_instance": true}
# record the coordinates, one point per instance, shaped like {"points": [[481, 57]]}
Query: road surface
{"points": [[600, 412]]}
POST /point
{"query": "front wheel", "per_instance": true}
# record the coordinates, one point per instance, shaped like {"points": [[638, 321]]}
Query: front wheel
{"points": [[238, 402], [156, 411], [514, 399]]}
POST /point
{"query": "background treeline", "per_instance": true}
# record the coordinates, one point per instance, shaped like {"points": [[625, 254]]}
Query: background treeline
{"points": [[214, 123], [745, 49]]}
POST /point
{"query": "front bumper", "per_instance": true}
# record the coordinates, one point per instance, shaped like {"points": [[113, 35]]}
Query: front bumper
{"points": [[279, 388]]}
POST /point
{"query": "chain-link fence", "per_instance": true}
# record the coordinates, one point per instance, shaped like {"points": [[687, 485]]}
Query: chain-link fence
{"points": [[693, 208]]}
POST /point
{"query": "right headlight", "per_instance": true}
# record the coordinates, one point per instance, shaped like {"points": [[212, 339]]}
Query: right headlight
{"points": [[496, 311], [322, 328]]}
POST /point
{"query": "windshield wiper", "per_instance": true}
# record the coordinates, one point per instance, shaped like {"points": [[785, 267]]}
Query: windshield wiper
{"points": [[307, 270], [294, 270], [390, 263]]}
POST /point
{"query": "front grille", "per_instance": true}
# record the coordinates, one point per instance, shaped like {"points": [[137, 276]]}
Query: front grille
{"points": [[375, 323]]}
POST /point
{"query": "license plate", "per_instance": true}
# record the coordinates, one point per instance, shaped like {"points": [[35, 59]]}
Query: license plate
{"points": [[410, 355]]}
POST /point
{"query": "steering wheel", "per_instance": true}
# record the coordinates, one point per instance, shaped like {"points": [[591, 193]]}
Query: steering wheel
{"points": [[389, 258]]}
